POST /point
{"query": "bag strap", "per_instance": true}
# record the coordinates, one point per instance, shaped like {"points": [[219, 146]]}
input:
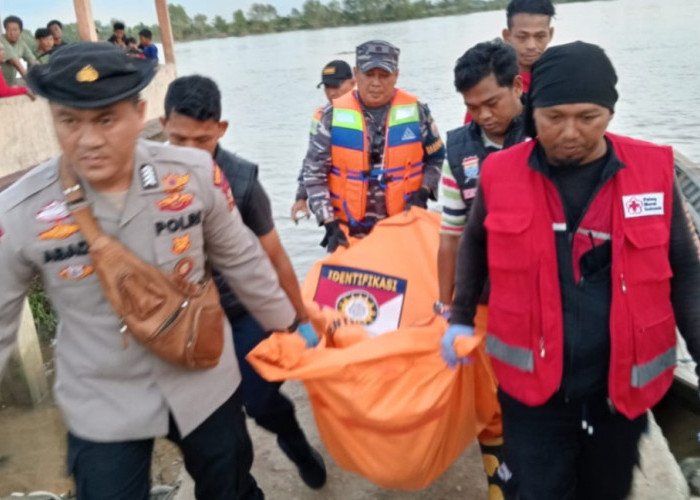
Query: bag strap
{"points": [[78, 204], [79, 207]]}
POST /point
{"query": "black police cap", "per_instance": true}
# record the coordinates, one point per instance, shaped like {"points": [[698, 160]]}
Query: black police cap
{"points": [[335, 73], [90, 75]]}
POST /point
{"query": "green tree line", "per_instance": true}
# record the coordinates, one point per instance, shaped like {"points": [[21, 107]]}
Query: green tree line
{"points": [[313, 14]]}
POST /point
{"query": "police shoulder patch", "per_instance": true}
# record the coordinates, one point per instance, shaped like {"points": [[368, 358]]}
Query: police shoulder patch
{"points": [[149, 178]]}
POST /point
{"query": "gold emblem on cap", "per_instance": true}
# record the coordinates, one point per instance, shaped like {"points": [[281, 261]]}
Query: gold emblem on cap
{"points": [[87, 75], [329, 71]]}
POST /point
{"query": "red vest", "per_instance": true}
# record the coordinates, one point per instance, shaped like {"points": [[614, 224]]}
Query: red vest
{"points": [[633, 209]]}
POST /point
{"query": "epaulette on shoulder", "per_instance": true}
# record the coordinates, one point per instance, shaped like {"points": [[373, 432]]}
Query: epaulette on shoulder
{"points": [[29, 184]]}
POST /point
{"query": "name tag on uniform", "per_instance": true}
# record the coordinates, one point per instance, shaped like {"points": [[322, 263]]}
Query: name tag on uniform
{"points": [[643, 205]]}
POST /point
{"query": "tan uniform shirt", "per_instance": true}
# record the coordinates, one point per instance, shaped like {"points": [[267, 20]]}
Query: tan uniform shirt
{"points": [[175, 209]]}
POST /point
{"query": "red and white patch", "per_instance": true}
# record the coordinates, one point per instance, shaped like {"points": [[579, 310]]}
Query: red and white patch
{"points": [[643, 205], [54, 211]]}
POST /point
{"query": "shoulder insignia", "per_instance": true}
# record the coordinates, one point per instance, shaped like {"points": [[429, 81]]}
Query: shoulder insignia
{"points": [[149, 179]]}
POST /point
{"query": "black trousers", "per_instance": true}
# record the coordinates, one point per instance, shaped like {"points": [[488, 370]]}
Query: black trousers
{"points": [[554, 458], [262, 399], [218, 455]]}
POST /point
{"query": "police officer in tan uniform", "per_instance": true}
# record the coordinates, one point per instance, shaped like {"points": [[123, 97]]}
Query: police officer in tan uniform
{"points": [[168, 206]]}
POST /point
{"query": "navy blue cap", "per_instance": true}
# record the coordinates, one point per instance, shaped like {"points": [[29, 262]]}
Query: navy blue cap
{"points": [[90, 75]]}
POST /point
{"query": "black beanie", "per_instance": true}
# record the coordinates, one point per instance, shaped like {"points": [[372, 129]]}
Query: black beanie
{"points": [[570, 73]]}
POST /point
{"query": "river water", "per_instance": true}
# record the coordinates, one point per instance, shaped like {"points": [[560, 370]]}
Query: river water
{"points": [[269, 82]]}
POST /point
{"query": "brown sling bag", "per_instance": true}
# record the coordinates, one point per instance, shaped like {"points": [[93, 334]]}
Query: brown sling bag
{"points": [[179, 321]]}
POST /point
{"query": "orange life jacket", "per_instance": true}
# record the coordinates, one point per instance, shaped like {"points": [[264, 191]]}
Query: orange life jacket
{"points": [[351, 171], [633, 210]]}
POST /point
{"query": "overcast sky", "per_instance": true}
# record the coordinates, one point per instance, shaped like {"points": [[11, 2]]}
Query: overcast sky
{"points": [[36, 13]]}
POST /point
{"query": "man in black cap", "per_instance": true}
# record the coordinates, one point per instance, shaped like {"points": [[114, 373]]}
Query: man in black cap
{"points": [[375, 153], [337, 80], [174, 210], [592, 264]]}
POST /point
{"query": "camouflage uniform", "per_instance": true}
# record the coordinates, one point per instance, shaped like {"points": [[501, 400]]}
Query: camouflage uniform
{"points": [[317, 163]]}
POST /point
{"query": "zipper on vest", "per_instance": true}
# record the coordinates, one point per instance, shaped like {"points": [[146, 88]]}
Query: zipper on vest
{"points": [[622, 283]]}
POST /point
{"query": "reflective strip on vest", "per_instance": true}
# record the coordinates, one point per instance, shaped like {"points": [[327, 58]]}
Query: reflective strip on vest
{"points": [[404, 125], [403, 113], [647, 372], [595, 234], [517, 357], [348, 129], [559, 227], [401, 171], [347, 118]]}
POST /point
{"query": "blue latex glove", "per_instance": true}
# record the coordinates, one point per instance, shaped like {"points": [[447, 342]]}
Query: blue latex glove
{"points": [[307, 331], [447, 349]]}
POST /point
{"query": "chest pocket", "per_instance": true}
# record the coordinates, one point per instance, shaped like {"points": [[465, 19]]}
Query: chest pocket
{"points": [[510, 260], [648, 272], [647, 253], [509, 245]]}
